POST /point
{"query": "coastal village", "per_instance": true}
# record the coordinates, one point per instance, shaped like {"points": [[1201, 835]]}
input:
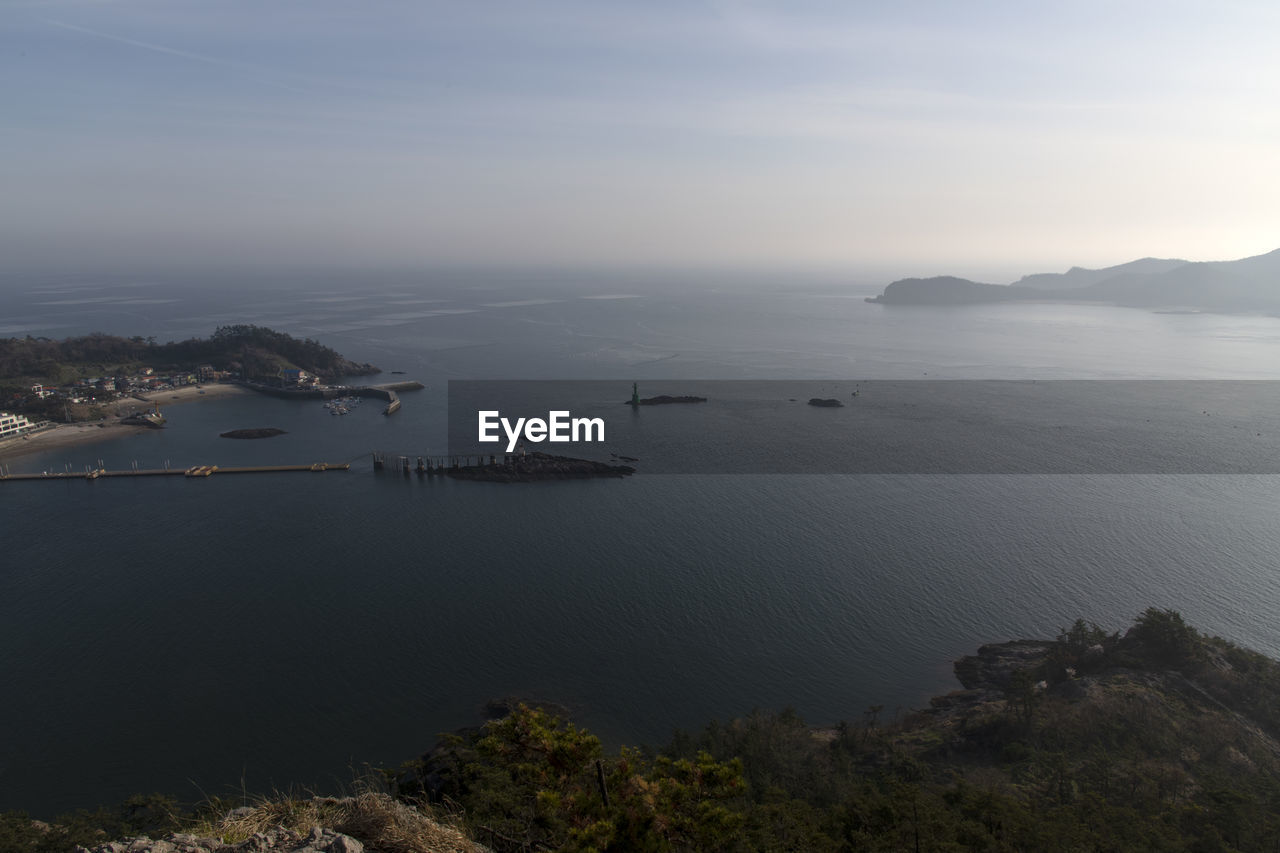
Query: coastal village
{"points": [[98, 398], [94, 378]]}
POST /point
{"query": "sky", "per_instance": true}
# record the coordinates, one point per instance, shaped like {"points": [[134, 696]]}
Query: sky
{"points": [[909, 138]]}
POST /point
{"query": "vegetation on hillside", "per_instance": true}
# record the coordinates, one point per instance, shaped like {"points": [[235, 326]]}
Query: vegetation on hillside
{"points": [[254, 350], [243, 351], [1160, 739], [376, 819]]}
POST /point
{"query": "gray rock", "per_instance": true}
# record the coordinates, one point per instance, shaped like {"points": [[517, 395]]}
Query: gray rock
{"points": [[257, 841], [345, 844], [1073, 690], [994, 665]]}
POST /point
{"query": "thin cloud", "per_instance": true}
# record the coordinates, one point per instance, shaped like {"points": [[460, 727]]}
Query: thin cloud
{"points": [[264, 73]]}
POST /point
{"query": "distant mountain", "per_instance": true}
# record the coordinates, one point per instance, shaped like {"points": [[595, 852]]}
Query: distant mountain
{"points": [[1077, 277], [1248, 284]]}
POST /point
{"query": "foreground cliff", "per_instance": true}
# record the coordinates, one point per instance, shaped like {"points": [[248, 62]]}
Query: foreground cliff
{"points": [[1160, 739], [1157, 739], [372, 822]]}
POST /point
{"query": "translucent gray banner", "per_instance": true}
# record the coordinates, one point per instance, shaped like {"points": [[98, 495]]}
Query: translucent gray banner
{"points": [[877, 426]]}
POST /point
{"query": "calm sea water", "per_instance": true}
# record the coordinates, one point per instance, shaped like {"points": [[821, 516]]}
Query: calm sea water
{"points": [[194, 636]]}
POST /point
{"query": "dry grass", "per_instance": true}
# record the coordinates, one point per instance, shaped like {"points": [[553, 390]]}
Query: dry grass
{"points": [[379, 821]]}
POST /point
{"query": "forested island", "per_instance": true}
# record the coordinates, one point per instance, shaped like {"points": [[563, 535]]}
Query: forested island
{"points": [[1160, 738], [65, 379]]}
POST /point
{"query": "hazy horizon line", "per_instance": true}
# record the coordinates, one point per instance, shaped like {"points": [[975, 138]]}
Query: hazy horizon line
{"points": [[869, 273]]}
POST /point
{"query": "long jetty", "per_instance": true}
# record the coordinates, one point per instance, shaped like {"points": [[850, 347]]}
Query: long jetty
{"points": [[192, 472], [508, 468]]}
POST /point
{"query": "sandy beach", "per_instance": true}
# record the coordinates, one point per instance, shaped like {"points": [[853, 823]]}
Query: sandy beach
{"points": [[65, 435]]}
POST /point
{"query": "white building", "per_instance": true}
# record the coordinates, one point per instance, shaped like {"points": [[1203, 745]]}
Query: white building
{"points": [[13, 424]]}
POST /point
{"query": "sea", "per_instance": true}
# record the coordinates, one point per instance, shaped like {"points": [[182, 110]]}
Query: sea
{"points": [[245, 634]]}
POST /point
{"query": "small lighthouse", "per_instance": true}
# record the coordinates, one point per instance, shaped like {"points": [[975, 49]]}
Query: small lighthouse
{"points": [[635, 393]]}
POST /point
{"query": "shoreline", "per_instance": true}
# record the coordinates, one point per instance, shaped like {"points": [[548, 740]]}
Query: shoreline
{"points": [[70, 435]]}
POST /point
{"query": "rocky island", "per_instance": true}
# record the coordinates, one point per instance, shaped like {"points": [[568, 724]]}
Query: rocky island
{"points": [[825, 402], [660, 400]]}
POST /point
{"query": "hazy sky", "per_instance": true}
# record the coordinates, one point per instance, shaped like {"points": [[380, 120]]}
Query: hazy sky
{"points": [[985, 139]]}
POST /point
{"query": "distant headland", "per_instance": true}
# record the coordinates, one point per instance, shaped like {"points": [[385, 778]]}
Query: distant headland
{"points": [[1158, 283]]}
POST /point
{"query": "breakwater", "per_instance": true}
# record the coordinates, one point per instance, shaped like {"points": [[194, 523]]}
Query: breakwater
{"points": [[91, 473], [388, 391], [508, 468]]}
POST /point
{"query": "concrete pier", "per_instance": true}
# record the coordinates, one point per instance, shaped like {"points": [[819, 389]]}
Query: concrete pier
{"points": [[193, 471]]}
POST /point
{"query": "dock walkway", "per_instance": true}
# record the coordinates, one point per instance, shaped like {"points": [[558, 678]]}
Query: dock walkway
{"points": [[194, 471]]}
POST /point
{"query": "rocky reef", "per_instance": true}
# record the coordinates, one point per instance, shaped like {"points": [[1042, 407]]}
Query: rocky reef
{"points": [[265, 432]]}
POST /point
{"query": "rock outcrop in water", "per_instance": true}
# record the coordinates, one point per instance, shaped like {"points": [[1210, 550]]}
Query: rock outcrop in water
{"points": [[993, 667], [266, 432], [665, 400]]}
